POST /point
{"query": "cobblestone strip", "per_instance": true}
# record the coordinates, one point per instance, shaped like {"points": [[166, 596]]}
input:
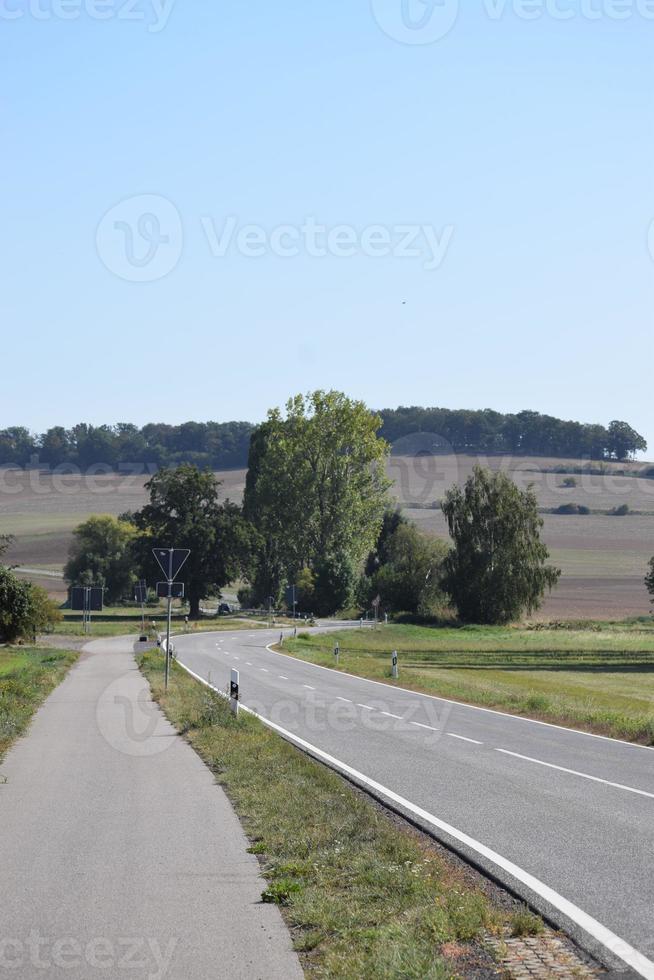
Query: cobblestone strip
{"points": [[539, 958]]}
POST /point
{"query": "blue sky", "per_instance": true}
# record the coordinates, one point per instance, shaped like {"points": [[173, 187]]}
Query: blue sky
{"points": [[511, 157]]}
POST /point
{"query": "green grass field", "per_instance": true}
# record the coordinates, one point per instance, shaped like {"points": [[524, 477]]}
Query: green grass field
{"points": [[599, 677], [27, 676], [363, 896]]}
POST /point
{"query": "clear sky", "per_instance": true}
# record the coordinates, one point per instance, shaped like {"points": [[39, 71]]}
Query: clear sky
{"points": [[506, 146]]}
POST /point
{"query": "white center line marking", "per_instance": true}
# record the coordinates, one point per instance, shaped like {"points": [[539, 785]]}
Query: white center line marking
{"points": [[464, 739], [573, 772], [366, 706], [264, 669], [428, 727], [247, 663], [389, 715], [282, 677], [347, 700], [308, 687]]}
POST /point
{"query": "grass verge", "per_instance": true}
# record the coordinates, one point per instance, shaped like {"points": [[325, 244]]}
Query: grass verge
{"points": [[27, 676], [597, 677], [363, 897], [111, 624]]}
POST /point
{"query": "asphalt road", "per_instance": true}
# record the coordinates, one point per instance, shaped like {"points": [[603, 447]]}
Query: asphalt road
{"points": [[565, 818], [119, 854]]}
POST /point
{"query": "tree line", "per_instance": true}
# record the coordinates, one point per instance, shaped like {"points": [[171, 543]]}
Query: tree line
{"points": [[225, 445], [219, 445], [526, 433]]}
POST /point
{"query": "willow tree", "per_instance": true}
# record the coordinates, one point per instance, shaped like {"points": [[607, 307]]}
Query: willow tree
{"points": [[497, 570]]}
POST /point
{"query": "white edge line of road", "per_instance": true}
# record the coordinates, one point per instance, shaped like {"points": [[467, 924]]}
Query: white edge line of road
{"points": [[460, 704], [572, 772], [609, 940]]}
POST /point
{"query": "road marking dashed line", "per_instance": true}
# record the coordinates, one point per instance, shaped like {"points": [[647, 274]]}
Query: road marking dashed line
{"points": [[366, 706], [308, 687], [574, 772], [264, 669], [429, 727], [282, 677], [347, 700], [462, 738], [389, 715]]}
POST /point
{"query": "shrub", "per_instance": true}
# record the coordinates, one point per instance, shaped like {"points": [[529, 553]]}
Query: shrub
{"points": [[25, 609], [572, 509], [569, 482], [620, 511]]}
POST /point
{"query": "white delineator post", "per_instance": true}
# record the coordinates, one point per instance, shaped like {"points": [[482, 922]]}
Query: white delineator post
{"points": [[396, 670], [337, 651], [233, 692]]}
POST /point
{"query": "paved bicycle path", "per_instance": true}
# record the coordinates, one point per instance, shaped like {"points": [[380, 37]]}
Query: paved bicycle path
{"points": [[119, 854]]}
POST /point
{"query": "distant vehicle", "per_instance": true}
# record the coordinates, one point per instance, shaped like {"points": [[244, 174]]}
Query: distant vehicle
{"points": [[224, 609]]}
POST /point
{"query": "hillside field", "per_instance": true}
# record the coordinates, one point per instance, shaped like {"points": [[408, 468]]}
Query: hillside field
{"points": [[603, 557]]}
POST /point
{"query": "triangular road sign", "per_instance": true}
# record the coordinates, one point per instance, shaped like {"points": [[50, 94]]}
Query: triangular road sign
{"points": [[170, 560]]}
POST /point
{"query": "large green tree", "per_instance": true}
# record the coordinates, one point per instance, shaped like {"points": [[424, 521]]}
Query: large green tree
{"points": [[185, 512], [624, 441], [316, 491], [498, 568], [101, 554]]}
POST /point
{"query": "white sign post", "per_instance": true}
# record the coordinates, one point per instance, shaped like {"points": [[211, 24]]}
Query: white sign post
{"points": [[396, 670]]}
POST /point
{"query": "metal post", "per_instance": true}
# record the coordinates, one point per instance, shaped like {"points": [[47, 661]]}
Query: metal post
{"points": [[234, 691], [170, 606]]}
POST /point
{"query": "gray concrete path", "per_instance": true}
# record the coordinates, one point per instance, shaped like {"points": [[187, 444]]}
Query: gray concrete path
{"points": [[119, 854]]}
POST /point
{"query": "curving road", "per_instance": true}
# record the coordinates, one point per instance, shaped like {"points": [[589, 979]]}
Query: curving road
{"points": [[564, 818]]}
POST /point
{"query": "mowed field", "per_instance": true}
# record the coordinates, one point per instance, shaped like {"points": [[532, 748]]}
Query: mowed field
{"points": [[603, 558]]}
